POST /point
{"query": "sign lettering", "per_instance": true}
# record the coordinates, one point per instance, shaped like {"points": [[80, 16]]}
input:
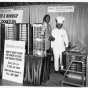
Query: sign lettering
{"points": [[13, 68]]}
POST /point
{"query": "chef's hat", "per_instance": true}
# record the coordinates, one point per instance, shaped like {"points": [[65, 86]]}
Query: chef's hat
{"points": [[60, 19]]}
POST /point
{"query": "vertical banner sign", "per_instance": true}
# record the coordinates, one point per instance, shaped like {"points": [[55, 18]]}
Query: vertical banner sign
{"points": [[11, 16], [13, 67]]}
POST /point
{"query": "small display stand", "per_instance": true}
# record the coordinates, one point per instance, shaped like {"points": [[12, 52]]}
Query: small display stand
{"points": [[75, 74]]}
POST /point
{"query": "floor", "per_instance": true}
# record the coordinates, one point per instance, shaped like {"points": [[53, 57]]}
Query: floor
{"points": [[55, 80]]}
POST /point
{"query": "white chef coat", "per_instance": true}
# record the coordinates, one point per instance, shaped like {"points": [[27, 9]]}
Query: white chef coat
{"points": [[61, 39]]}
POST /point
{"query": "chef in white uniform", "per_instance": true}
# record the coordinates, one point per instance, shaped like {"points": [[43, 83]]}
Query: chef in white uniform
{"points": [[60, 43]]}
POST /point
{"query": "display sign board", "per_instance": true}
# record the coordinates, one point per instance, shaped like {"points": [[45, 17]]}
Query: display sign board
{"points": [[11, 16], [60, 9], [13, 66]]}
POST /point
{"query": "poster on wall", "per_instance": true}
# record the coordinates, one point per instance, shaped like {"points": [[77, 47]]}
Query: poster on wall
{"points": [[11, 16], [53, 9], [13, 66]]}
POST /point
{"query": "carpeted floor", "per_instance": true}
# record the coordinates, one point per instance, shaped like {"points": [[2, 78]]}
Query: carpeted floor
{"points": [[54, 80]]}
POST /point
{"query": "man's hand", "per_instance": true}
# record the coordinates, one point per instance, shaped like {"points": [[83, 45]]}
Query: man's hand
{"points": [[66, 48], [51, 38]]}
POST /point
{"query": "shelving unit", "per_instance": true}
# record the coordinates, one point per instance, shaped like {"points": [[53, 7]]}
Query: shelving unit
{"points": [[38, 40]]}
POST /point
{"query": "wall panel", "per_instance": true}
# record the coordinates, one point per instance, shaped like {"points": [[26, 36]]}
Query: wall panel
{"points": [[37, 13]]}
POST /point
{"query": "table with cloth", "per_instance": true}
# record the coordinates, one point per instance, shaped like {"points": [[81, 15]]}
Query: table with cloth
{"points": [[36, 69]]}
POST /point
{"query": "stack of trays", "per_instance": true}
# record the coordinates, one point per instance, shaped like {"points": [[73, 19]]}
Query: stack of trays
{"points": [[11, 31], [38, 40], [73, 66], [23, 32], [84, 64]]}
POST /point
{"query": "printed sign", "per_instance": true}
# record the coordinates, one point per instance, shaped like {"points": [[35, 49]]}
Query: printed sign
{"points": [[13, 67], [11, 16], [60, 9]]}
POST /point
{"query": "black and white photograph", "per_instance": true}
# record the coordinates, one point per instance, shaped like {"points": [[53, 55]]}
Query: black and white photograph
{"points": [[44, 44]]}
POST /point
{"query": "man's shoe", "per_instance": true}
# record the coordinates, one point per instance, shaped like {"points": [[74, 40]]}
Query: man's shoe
{"points": [[62, 67], [55, 71], [62, 72]]}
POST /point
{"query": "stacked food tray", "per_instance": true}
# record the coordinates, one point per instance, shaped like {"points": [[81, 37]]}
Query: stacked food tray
{"points": [[24, 35], [23, 32], [77, 66], [84, 65], [73, 66], [11, 31], [38, 40]]}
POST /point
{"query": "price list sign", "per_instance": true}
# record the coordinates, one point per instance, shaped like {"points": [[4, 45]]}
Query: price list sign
{"points": [[13, 66]]}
